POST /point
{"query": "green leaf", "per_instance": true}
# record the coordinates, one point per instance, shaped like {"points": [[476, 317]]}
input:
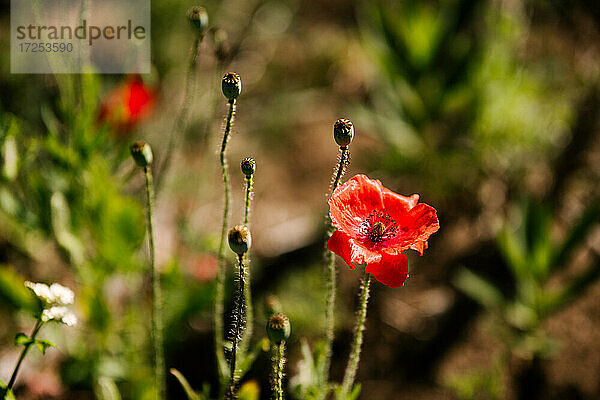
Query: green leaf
{"points": [[5, 393], [61, 225], [573, 290], [191, 393], [8, 394], [588, 219], [43, 344], [355, 392], [10, 154], [514, 253], [14, 293], [22, 339], [538, 226], [106, 389], [479, 289]]}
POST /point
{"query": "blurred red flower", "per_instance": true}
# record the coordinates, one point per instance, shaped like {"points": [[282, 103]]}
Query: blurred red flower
{"points": [[127, 104], [375, 225]]}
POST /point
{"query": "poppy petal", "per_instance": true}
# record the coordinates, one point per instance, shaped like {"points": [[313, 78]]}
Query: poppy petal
{"points": [[395, 203], [416, 226], [420, 246], [351, 251], [391, 270], [354, 201]]}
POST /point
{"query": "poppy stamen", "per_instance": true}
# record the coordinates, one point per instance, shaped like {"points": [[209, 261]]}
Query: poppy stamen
{"points": [[378, 228]]}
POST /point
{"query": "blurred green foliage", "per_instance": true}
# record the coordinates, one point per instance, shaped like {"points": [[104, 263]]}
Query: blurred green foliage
{"points": [[451, 90], [534, 258]]}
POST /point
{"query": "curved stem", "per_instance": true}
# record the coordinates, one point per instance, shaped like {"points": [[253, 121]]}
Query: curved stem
{"points": [[13, 377], [247, 287], [238, 320], [182, 115], [157, 321], [354, 358], [220, 285], [331, 273]]}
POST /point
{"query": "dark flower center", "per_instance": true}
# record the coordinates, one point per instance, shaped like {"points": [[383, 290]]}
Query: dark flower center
{"points": [[378, 227]]}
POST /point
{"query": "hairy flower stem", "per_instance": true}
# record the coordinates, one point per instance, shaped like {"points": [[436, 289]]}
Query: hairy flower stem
{"points": [[331, 273], [278, 360], [354, 358], [238, 321], [157, 320], [13, 377], [182, 115], [340, 167], [247, 287], [249, 183], [220, 286]]}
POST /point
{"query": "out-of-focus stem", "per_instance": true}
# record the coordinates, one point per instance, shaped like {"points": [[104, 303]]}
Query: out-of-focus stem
{"points": [[354, 358], [157, 320], [182, 115], [220, 286]]}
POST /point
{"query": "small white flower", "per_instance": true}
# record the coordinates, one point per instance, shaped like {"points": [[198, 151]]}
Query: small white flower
{"points": [[54, 294], [54, 297], [60, 314], [61, 294], [69, 319], [41, 290]]}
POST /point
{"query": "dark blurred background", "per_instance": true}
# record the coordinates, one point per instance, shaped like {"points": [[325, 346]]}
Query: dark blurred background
{"points": [[488, 109]]}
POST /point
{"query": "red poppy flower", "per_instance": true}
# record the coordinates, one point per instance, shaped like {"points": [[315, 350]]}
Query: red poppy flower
{"points": [[127, 104], [375, 225]]}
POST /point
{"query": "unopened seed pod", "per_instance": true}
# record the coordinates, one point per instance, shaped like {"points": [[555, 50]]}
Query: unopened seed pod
{"points": [[278, 328], [343, 132], [141, 153], [272, 305], [231, 84], [240, 239], [221, 42], [248, 166], [198, 18]]}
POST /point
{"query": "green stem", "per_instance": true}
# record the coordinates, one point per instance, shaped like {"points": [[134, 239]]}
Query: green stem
{"points": [[157, 320], [182, 115], [354, 358], [341, 167], [220, 285], [247, 287], [331, 273], [249, 183], [238, 318], [278, 363], [13, 377]]}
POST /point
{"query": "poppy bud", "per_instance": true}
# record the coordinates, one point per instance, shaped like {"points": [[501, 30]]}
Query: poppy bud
{"points": [[278, 328], [248, 166], [220, 40], [231, 84], [272, 305], [343, 132], [240, 239], [198, 18], [141, 153]]}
